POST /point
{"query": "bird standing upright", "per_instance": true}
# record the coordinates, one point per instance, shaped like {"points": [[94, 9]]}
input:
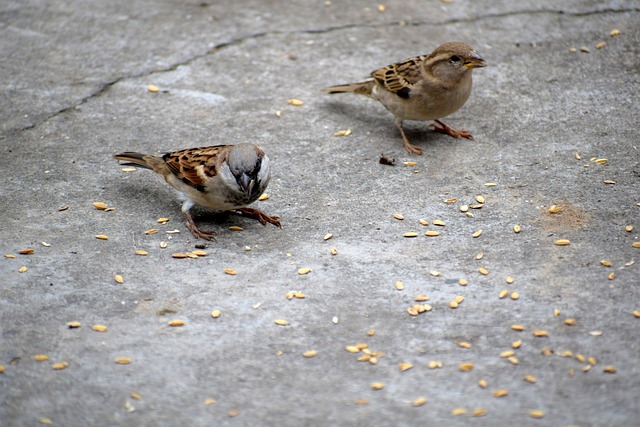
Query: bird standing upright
{"points": [[427, 87], [222, 177]]}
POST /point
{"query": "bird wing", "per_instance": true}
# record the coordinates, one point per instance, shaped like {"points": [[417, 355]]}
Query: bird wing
{"points": [[400, 78], [196, 166]]}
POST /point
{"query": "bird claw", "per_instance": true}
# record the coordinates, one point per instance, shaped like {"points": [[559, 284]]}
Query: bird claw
{"points": [[198, 233], [447, 130], [260, 216]]}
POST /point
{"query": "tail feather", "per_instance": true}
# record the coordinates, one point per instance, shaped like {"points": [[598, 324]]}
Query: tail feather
{"points": [[139, 160], [361, 88]]}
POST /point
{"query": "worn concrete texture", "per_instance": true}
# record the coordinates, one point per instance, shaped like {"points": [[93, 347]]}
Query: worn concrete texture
{"points": [[74, 93]]}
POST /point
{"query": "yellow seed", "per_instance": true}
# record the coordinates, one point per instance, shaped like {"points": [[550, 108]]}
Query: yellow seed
{"points": [[216, 313], [510, 279], [412, 311], [483, 271], [566, 353], [327, 236], [515, 295], [399, 286], [463, 282], [569, 322], [530, 379], [163, 245], [592, 361], [343, 132], [466, 367], [500, 393], [513, 360], [536, 414], [74, 324], [419, 401], [410, 234], [555, 209], [141, 252], [405, 366], [236, 228], [611, 275], [234, 412], [352, 349], [295, 102], [27, 251], [614, 32], [477, 234], [464, 344], [364, 358], [606, 263], [540, 333], [507, 353], [562, 242], [11, 256], [503, 294], [423, 222], [60, 365], [556, 312], [122, 360], [577, 156], [434, 364], [102, 237], [152, 88], [517, 228], [601, 161], [518, 328], [263, 197], [490, 184], [609, 369], [459, 299], [118, 278], [281, 322], [480, 412], [398, 216], [480, 256], [483, 383], [516, 344], [628, 228], [635, 245], [99, 205], [310, 353], [179, 255], [230, 271], [546, 352], [434, 273], [580, 358], [480, 199], [431, 233], [464, 208], [636, 313], [371, 332], [199, 252], [586, 368], [40, 357], [409, 164], [438, 222], [44, 420], [151, 231], [458, 411], [176, 322], [99, 328], [209, 401], [304, 270], [377, 386], [421, 298], [361, 402], [23, 269]]}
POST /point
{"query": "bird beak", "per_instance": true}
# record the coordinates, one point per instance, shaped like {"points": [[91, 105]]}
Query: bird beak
{"points": [[247, 183], [475, 61]]}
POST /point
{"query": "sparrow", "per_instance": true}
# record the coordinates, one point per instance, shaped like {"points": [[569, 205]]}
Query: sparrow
{"points": [[426, 87], [221, 177]]}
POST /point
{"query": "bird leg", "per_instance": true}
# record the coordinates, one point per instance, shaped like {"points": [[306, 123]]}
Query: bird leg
{"points": [[260, 216], [447, 130], [197, 233], [407, 145]]}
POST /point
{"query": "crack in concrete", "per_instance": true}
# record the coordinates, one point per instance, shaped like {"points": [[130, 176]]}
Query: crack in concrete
{"points": [[239, 40]]}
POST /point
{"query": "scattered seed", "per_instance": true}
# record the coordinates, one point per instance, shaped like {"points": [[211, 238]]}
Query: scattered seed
{"points": [[216, 313], [423, 222], [152, 88], [151, 231], [410, 234], [398, 216], [483, 271], [377, 386], [345, 132], [438, 222], [73, 325], [435, 273], [419, 401], [480, 199], [540, 333], [530, 379], [515, 295], [60, 365], [118, 278], [566, 353], [580, 358], [503, 294], [636, 313], [102, 237], [635, 245], [628, 228], [230, 271], [609, 369], [434, 364], [600, 45], [405, 366], [477, 234], [234, 412], [458, 411], [163, 245], [611, 276], [11, 256], [518, 328], [513, 360], [500, 393], [464, 208], [536, 414], [546, 352], [281, 322], [295, 102], [517, 228], [584, 49], [236, 228], [510, 279], [176, 322], [555, 209], [569, 322], [44, 420], [40, 357], [122, 360], [466, 367], [464, 344], [209, 401], [327, 236], [516, 344], [483, 383], [421, 298], [431, 233], [409, 164], [310, 353], [480, 256], [562, 242], [614, 32], [361, 402], [99, 328], [507, 353], [480, 412], [463, 282], [592, 361], [23, 269], [141, 252]]}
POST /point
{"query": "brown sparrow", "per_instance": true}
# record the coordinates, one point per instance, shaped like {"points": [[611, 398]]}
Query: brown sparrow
{"points": [[427, 87], [222, 177]]}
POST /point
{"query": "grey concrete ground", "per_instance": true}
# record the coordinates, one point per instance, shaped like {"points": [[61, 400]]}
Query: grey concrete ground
{"points": [[74, 92]]}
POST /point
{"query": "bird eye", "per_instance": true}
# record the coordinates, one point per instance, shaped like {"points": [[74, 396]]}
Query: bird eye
{"points": [[454, 58]]}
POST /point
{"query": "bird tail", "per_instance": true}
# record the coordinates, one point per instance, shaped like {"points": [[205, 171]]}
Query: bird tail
{"points": [[361, 88], [140, 160]]}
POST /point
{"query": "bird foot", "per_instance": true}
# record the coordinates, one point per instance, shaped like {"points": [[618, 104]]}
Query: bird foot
{"points": [[260, 216], [447, 130], [198, 233], [411, 149]]}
